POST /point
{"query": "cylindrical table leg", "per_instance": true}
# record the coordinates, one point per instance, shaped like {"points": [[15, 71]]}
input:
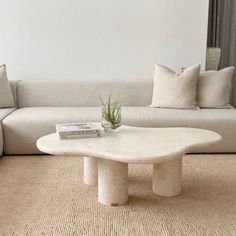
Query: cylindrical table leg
{"points": [[167, 178], [90, 171], [112, 182]]}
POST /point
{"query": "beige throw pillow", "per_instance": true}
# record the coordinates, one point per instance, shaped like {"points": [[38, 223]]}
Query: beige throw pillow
{"points": [[172, 90], [6, 96], [214, 88]]}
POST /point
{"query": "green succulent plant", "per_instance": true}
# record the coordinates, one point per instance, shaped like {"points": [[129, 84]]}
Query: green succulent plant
{"points": [[111, 112]]}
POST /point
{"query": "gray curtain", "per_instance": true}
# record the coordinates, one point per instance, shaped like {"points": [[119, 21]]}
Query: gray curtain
{"points": [[222, 33]]}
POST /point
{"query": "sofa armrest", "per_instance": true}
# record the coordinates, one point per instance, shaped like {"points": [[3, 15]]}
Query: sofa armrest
{"points": [[3, 113]]}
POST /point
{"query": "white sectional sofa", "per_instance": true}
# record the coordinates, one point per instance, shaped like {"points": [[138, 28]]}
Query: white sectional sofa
{"points": [[42, 104]]}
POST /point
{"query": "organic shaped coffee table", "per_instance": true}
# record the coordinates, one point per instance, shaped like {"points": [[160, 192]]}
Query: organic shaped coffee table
{"points": [[106, 158]]}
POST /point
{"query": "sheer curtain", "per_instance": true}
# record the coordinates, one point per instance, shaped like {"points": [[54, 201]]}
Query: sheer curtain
{"points": [[222, 33]]}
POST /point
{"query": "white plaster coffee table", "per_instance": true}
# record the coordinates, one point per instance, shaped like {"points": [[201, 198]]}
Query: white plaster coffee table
{"points": [[106, 158]]}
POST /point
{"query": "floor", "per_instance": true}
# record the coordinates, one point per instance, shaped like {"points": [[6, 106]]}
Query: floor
{"points": [[45, 195]]}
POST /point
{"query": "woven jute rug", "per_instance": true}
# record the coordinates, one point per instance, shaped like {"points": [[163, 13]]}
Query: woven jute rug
{"points": [[45, 195]]}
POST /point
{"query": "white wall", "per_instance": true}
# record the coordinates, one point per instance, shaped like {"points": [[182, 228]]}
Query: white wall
{"points": [[107, 39]]}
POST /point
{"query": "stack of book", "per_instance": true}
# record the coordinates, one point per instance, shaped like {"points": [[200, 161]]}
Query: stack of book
{"points": [[78, 130]]}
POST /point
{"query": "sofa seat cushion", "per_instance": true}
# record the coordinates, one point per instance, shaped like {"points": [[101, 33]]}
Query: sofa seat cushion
{"points": [[3, 113], [23, 127], [222, 121], [26, 125]]}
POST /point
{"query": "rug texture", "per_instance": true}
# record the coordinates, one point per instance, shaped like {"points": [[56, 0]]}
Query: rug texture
{"points": [[45, 195]]}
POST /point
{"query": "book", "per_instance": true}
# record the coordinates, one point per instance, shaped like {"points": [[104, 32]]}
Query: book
{"points": [[78, 130]]}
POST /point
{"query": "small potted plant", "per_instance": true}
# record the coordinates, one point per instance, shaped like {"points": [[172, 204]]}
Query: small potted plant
{"points": [[111, 115]]}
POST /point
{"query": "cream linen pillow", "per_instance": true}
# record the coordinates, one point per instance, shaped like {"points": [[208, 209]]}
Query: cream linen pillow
{"points": [[6, 96], [214, 88], [172, 90]]}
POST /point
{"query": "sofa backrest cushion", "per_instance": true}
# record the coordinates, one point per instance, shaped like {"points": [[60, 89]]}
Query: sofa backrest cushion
{"points": [[82, 93]]}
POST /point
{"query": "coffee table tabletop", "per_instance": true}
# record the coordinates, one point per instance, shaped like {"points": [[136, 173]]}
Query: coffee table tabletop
{"points": [[106, 158]]}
